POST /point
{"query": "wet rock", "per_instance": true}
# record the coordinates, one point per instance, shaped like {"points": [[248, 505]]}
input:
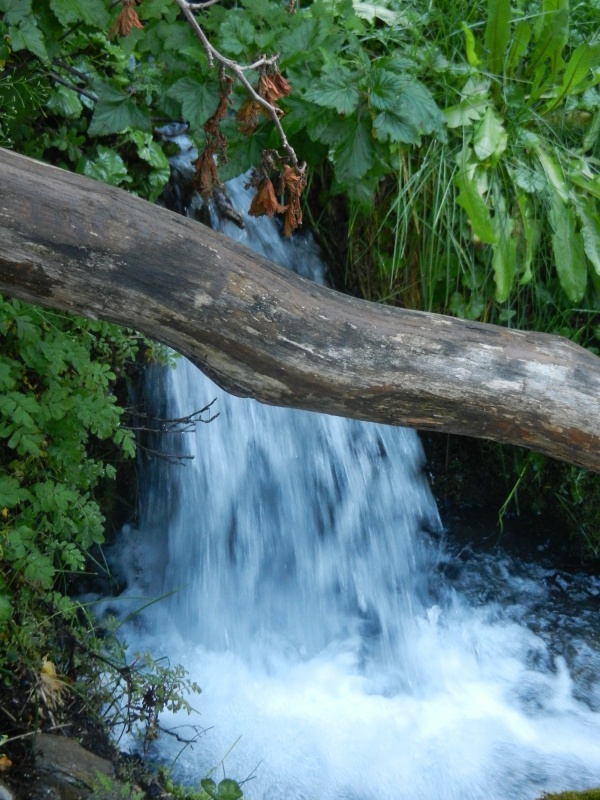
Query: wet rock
{"points": [[66, 770]]}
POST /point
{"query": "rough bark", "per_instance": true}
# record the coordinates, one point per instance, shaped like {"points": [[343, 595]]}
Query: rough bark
{"points": [[67, 242]]}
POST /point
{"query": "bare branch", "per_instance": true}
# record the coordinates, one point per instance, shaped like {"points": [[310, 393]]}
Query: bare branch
{"points": [[212, 54]]}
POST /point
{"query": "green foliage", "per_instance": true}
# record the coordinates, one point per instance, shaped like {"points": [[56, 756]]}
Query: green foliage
{"points": [[57, 409], [226, 789]]}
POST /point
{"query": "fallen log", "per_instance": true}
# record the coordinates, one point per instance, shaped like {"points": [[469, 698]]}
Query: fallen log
{"points": [[70, 243]]}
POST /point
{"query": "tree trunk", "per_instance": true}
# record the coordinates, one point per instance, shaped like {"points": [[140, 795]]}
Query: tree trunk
{"points": [[67, 242]]}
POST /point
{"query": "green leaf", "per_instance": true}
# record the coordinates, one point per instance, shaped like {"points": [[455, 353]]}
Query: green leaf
{"points": [[576, 71], [471, 200], [27, 36], [115, 111], [532, 228], [229, 790], [390, 127], [384, 88], [335, 89], [157, 9], [567, 245], [590, 232], [504, 257], [199, 99], [470, 46], [497, 34], [549, 46], [15, 10], [554, 173], [40, 569], [5, 609], [531, 180], [489, 138], [518, 47], [416, 104], [107, 167], [209, 786], [64, 102], [353, 157], [11, 493], [92, 12], [236, 35]]}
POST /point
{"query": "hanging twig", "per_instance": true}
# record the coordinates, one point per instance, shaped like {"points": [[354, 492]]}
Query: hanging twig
{"points": [[212, 55]]}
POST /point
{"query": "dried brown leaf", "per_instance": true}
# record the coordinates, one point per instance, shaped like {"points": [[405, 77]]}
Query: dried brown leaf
{"points": [[293, 183], [265, 202], [126, 21], [248, 116], [206, 177]]}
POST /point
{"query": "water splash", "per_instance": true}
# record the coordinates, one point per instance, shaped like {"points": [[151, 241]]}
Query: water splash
{"points": [[310, 602]]}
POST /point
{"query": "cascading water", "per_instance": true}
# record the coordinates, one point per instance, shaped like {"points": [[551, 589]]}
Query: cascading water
{"points": [[311, 601]]}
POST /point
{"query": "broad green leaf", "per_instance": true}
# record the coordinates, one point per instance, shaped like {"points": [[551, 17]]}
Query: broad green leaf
{"points": [[353, 157], [107, 167], [497, 34], [306, 38], [64, 102], [528, 178], [157, 9], [489, 138], [471, 200], [576, 71], [11, 493], [335, 89], [567, 246], [384, 89], [553, 170], [209, 786], [40, 569], [518, 46], [416, 104], [470, 46], [228, 790], [27, 36], [92, 12], [323, 126], [115, 111], [531, 232], [15, 10], [504, 256], [590, 232], [236, 35], [5, 609], [549, 47], [372, 12], [390, 127], [7, 379], [199, 99]]}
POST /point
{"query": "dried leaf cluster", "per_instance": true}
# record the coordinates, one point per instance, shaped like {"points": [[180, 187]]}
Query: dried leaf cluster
{"points": [[290, 185], [206, 177], [126, 21], [262, 100]]}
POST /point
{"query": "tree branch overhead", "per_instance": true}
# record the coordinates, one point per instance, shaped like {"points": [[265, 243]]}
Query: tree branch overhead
{"points": [[69, 243]]}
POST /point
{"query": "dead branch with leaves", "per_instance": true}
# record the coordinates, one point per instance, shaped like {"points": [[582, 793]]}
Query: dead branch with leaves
{"points": [[288, 173]]}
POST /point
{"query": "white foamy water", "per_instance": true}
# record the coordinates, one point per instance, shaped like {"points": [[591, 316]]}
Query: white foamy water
{"points": [[349, 651]]}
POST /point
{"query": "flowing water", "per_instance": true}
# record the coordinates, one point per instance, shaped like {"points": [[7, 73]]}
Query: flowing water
{"points": [[347, 650]]}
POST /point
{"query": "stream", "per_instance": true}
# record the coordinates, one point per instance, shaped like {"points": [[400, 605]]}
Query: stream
{"points": [[348, 646]]}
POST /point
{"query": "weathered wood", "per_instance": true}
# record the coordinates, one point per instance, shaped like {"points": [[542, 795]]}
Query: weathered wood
{"points": [[70, 243]]}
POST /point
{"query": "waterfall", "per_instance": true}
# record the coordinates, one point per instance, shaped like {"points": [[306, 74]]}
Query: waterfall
{"points": [[311, 595]]}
